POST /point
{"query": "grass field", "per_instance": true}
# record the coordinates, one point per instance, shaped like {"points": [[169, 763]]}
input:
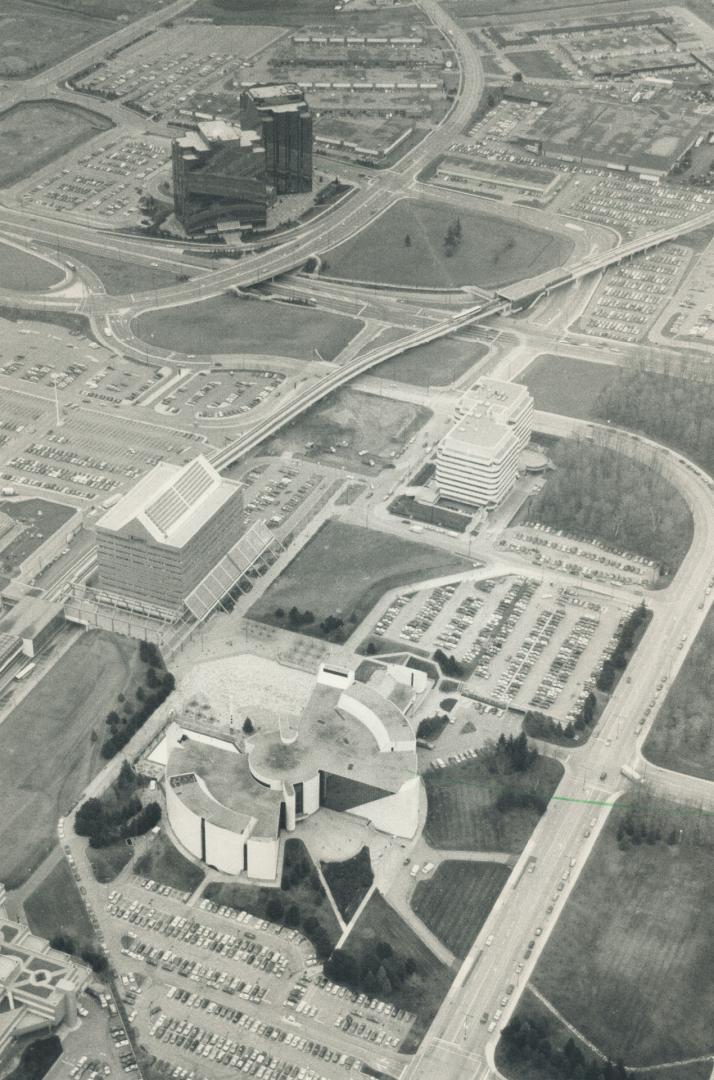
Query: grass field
{"points": [[35, 36], [682, 735], [348, 421], [462, 812], [532, 1011], [40, 518], [437, 364], [26, 273], [55, 907], [630, 960], [120, 278], [278, 13], [164, 863], [456, 901], [227, 324], [306, 892], [537, 64], [564, 385], [37, 786], [493, 251], [423, 992], [34, 133], [343, 570], [109, 861]]}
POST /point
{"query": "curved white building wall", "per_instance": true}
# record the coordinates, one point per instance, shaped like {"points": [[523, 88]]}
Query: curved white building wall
{"points": [[185, 824], [263, 858], [369, 718], [397, 814], [311, 795], [225, 849]]}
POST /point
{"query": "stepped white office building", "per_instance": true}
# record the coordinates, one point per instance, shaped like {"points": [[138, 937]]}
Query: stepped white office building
{"points": [[477, 461]]}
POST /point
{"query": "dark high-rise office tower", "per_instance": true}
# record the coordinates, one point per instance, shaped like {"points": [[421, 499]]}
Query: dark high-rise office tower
{"points": [[219, 175], [283, 116]]}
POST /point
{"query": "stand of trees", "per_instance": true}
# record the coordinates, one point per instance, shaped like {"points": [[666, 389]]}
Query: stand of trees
{"points": [[675, 406], [448, 664], [453, 237], [120, 815], [599, 493], [528, 1043], [66, 943], [378, 970], [431, 727]]}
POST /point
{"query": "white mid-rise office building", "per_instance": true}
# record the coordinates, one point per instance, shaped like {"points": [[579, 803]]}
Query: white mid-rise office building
{"points": [[477, 461]]}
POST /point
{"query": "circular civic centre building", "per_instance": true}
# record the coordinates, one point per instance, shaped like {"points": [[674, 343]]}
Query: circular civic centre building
{"points": [[229, 798]]}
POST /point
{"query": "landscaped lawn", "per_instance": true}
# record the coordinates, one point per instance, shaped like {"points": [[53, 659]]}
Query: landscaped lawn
{"points": [[121, 277], [420, 993], [456, 901], [55, 907], [493, 250], [349, 881], [25, 272], [228, 324], [300, 889], [437, 364], [562, 384], [630, 962], [342, 571], [47, 756], [163, 862], [682, 735], [463, 815]]}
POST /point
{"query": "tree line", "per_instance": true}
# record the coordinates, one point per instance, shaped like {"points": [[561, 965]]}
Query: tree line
{"points": [[614, 665], [540, 726], [529, 1043], [159, 684]]}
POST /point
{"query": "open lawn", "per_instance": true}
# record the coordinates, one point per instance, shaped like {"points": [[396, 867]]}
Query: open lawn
{"points": [[301, 899], [26, 273], [682, 735], [40, 519], [46, 753], [55, 907], [438, 364], [164, 863], [421, 992], [537, 64], [630, 962], [343, 570], [35, 35], [227, 324], [463, 814], [280, 13], [347, 422], [34, 133], [349, 881], [492, 251], [456, 901], [564, 385], [109, 861]]}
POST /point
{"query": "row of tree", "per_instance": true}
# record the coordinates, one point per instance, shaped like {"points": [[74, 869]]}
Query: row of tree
{"points": [[93, 957], [540, 726], [617, 662], [122, 728]]}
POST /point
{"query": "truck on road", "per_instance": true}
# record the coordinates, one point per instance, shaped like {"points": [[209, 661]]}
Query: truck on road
{"points": [[631, 774]]}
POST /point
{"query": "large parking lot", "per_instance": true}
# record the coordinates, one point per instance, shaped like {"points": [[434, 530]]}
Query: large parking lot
{"points": [[520, 642], [632, 294], [213, 395], [215, 991], [633, 207], [104, 182]]}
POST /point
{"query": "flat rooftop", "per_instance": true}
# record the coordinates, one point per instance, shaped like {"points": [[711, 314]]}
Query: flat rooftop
{"points": [[172, 502], [645, 135], [478, 431]]}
